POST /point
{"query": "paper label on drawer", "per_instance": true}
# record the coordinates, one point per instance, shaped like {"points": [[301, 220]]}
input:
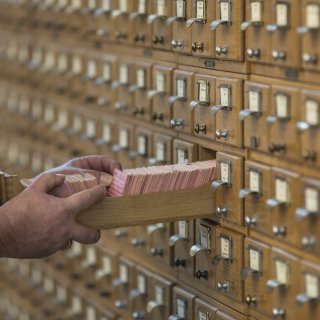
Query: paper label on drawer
{"points": [[225, 171], [24, 158], [181, 87], [254, 181], [77, 123], [62, 3], [24, 316], [124, 273], [159, 293], [12, 103], [124, 74], [91, 313], [36, 275], [49, 2], [225, 247], [61, 293], [256, 11], [162, 7], [282, 190], [142, 7], [106, 5], [312, 286], [48, 113], [76, 4], [36, 162], [106, 72], [76, 305], [12, 51], [91, 256], [160, 151], [48, 285], [205, 237], [76, 65], [106, 133], [282, 106], [49, 60], [255, 260], [181, 308], [160, 82], [107, 265], [203, 315], [225, 96], [200, 9], [62, 62], [142, 283], [24, 268], [124, 138], [92, 69], [23, 54], [181, 8], [183, 229], [23, 105], [254, 101], [92, 4], [203, 92], [36, 109], [13, 153], [313, 16], [76, 248], [62, 119], [312, 112], [182, 156], [37, 55], [141, 78], [282, 14], [311, 199], [142, 145], [225, 11], [91, 128], [123, 5], [48, 164], [282, 272]]}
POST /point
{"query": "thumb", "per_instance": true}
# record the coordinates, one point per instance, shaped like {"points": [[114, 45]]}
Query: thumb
{"points": [[47, 181]]}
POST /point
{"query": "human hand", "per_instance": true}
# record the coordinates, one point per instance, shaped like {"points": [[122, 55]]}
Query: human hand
{"points": [[35, 224], [98, 166]]}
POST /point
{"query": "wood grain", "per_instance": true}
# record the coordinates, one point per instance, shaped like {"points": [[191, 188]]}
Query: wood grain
{"points": [[149, 209]]}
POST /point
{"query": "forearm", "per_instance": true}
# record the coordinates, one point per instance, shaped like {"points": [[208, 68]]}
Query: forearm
{"points": [[6, 233]]}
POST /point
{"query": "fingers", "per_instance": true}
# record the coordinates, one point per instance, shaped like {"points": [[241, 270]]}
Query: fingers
{"points": [[85, 199], [103, 178], [84, 234], [97, 163], [47, 182]]}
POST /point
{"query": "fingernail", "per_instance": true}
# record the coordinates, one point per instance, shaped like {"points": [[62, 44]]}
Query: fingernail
{"points": [[106, 179], [97, 236]]}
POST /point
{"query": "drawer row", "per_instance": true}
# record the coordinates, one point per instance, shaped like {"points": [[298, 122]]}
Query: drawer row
{"points": [[279, 203], [105, 278], [276, 118], [40, 295], [270, 281], [213, 259], [272, 32]]}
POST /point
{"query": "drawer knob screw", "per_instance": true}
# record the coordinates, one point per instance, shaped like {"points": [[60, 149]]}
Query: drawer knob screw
{"points": [[200, 128], [199, 274], [197, 46], [278, 313], [251, 300], [180, 263]]}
